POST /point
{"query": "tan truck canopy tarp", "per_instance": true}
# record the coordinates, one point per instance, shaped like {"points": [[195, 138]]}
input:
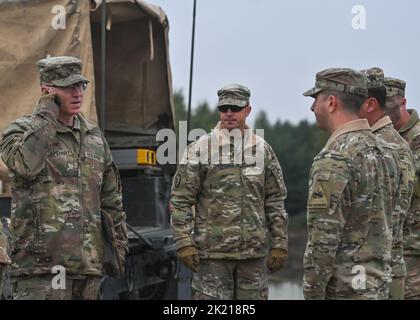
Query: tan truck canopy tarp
{"points": [[26, 36], [138, 73]]}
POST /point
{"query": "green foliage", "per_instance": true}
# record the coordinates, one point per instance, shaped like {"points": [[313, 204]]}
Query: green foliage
{"points": [[180, 106], [204, 118], [294, 145], [201, 117]]}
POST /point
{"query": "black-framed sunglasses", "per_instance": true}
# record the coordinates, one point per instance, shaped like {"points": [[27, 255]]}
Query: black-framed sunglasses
{"points": [[225, 109]]}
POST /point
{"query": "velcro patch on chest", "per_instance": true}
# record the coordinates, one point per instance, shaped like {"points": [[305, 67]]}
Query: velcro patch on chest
{"points": [[59, 153], [91, 155]]}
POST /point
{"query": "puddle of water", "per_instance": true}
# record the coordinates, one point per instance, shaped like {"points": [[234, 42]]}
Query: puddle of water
{"points": [[286, 290]]}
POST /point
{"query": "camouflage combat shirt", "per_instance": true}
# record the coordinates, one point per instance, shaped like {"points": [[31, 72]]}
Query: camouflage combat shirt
{"points": [[411, 133], [384, 129], [239, 206], [349, 209]]}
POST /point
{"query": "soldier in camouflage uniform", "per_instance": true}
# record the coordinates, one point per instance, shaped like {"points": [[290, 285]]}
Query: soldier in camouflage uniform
{"points": [[4, 245], [62, 176], [348, 253], [374, 111], [233, 179], [408, 125]]}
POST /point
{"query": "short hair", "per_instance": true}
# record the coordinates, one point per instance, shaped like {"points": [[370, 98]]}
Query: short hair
{"points": [[379, 94], [392, 108], [392, 102], [351, 102]]}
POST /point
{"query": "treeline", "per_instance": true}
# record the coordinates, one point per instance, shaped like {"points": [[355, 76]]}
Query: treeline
{"points": [[294, 145]]}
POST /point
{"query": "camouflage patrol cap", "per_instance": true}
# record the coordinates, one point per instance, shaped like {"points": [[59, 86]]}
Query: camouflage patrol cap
{"points": [[234, 95], [61, 71], [375, 77], [339, 79], [394, 87]]}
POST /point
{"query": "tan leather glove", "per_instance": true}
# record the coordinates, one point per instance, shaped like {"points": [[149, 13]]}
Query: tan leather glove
{"points": [[276, 259], [189, 257]]}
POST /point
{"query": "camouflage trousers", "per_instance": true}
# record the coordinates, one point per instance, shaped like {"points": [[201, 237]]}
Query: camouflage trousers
{"points": [[2, 278], [396, 291], [412, 282], [230, 280], [41, 288]]}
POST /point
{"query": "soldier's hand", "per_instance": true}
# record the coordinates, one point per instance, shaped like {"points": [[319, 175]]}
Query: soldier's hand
{"points": [[51, 99], [276, 259], [48, 105], [57, 100], [189, 257]]}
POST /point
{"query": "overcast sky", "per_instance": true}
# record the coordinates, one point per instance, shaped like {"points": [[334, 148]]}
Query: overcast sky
{"points": [[275, 47]]}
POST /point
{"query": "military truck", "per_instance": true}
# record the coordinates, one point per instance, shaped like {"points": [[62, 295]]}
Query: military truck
{"points": [[124, 47]]}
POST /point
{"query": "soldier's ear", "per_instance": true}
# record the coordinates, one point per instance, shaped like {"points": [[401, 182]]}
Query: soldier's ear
{"points": [[44, 90], [403, 105], [371, 104], [332, 103]]}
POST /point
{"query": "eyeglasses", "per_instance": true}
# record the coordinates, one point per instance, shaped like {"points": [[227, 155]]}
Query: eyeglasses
{"points": [[225, 109], [77, 86]]}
